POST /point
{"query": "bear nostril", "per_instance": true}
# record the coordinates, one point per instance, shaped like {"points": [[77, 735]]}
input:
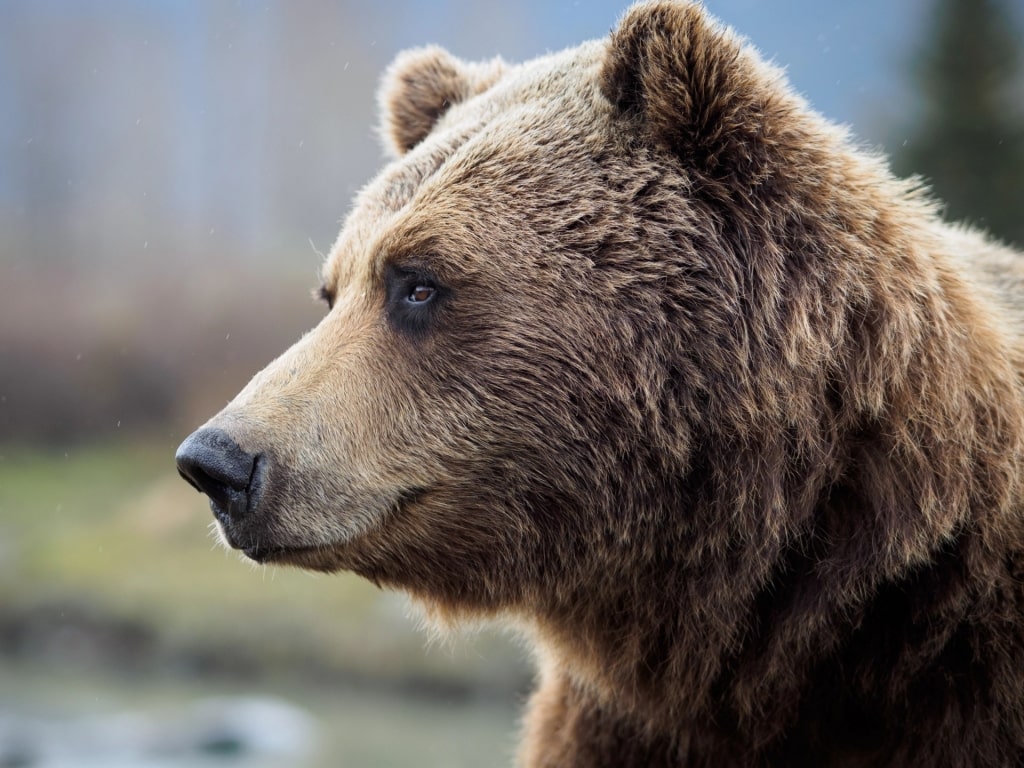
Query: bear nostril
{"points": [[213, 463], [202, 481]]}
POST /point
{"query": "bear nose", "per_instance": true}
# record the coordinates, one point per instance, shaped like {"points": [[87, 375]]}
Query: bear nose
{"points": [[213, 463]]}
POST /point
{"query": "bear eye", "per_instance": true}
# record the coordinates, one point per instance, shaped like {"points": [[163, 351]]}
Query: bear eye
{"points": [[421, 294], [413, 299]]}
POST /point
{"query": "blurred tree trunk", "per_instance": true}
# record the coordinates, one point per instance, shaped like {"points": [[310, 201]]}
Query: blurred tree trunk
{"points": [[969, 141]]}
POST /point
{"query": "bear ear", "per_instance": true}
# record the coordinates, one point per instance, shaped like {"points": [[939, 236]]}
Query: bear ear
{"points": [[420, 85], [697, 89]]}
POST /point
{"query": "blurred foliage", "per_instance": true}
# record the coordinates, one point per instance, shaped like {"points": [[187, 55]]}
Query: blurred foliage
{"points": [[110, 543], [89, 363], [969, 140]]}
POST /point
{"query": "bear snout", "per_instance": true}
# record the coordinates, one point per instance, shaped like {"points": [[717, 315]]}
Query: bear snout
{"points": [[214, 464]]}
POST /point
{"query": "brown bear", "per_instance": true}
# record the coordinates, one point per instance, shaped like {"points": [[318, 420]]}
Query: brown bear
{"points": [[629, 347]]}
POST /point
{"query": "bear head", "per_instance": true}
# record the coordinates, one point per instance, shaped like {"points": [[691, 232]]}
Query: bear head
{"points": [[624, 318]]}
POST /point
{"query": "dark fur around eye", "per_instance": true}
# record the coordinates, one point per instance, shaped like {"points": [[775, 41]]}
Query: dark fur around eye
{"points": [[413, 299]]}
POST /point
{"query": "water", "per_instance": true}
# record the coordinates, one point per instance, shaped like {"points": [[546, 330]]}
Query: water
{"points": [[52, 717]]}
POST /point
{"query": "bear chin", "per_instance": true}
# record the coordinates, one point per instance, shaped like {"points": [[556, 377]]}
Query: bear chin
{"points": [[323, 558]]}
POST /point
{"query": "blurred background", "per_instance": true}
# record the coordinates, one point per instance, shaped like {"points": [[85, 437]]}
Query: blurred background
{"points": [[170, 172]]}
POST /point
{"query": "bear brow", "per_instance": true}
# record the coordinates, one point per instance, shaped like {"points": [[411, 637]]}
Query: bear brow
{"points": [[412, 176]]}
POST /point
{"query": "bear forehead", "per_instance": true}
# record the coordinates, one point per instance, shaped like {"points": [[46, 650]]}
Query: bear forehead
{"points": [[484, 159]]}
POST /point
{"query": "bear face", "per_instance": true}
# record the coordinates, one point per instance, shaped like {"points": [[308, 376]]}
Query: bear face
{"points": [[537, 227], [629, 344], [392, 415]]}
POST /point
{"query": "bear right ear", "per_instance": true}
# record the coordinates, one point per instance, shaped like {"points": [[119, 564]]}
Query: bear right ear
{"points": [[419, 87], [696, 89]]}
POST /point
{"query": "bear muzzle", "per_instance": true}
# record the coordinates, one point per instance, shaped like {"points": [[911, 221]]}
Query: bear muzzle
{"points": [[214, 464]]}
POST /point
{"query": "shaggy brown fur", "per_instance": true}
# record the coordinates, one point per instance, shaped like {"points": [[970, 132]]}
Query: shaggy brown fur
{"points": [[630, 346]]}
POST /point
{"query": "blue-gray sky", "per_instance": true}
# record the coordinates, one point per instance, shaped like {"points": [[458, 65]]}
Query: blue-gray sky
{"points": [[247, 126]]}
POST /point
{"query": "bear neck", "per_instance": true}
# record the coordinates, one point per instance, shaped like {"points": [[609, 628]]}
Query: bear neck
{"points": [[778, 555], [737, 637]]}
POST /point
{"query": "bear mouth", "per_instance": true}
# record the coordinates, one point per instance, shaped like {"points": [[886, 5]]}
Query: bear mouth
{"points": [[264, 554], [324, 556]]}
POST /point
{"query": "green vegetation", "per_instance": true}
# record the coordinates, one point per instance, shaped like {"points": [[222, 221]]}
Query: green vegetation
{"points": [[969, 140], [115, 529], [111, 539]]}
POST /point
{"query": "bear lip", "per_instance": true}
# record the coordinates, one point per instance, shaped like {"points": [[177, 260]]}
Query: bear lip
{"points": [[260, 553], [321, 556]]}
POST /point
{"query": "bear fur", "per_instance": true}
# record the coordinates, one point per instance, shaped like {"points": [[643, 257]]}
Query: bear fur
{"points": [[630, 348]]}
